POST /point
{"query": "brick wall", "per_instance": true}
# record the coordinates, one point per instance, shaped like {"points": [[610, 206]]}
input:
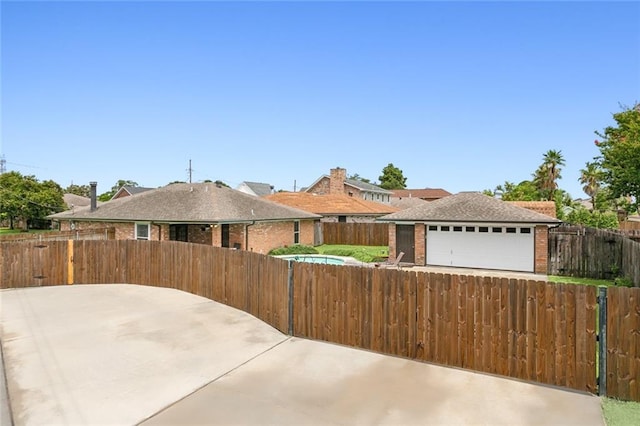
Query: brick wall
{"points": [[392, 242], [420, 254], [124, 230], [541, 249], [265, 236], [337, 178], [320, 187]]}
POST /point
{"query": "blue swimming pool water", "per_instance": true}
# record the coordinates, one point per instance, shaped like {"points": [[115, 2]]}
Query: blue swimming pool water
{"points": [[314, 258]]}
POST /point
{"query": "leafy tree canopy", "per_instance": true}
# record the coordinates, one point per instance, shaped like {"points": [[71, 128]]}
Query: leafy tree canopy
{"points": [[81, 190], [620, 155], [392, 178], [24, 198], [524, 191], [358, 177], [547, 175]]}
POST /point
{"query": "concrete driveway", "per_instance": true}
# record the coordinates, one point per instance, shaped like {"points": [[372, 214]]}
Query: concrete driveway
{"points": [[126, 354]]}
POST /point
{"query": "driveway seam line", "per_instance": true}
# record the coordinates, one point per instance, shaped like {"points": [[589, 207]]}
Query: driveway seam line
{"points": [[215, 379]]}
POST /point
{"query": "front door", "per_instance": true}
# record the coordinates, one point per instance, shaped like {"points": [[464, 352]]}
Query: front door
{"points": [[405, 242]]}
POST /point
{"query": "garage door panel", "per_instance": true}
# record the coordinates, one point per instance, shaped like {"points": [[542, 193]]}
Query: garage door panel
{"points": [[489, 250]]}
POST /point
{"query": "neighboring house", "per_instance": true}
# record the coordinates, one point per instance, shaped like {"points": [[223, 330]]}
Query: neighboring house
{"points": [[471, 230], [337, 183], [255, 188], [406, 203], [426, 194], [203, 213], [73, 200], [545, 207], [333, 207], [127, 190]]}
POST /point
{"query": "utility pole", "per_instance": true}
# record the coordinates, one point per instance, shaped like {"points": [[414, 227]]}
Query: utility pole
{"points": [[190, 171], [3, 164]]}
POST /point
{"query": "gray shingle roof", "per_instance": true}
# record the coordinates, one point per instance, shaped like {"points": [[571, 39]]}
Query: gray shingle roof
{"points": [[184, 202], [367, 186], [259, 188], [469, 207], [73, 200]]}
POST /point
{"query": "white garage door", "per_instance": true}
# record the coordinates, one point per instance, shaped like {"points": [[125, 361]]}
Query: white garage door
{"points": [[509, 248]]}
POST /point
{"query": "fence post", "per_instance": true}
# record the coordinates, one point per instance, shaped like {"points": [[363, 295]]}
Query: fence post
{"points": [[602, 341], [290, 294]]}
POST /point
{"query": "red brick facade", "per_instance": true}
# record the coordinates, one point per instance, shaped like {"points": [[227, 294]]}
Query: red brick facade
{"points": [[541, 249], [420, 254], [336, 180]]}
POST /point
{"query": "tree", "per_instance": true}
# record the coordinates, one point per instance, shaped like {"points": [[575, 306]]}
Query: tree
{"points": [[524, 191], [81, 190], [620, 155], [106, 196], [392, 178], [546, 176], [358, 177], [590, 178], [24, 198]]}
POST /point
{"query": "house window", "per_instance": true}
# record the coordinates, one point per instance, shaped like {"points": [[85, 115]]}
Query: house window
{"points": [[342, 219], [470, 229], [444, 228], [457, 229], [511, 230], [143, 231], [483, 229], [496, 229], [433, 227], [296, 232], [525, 230]]}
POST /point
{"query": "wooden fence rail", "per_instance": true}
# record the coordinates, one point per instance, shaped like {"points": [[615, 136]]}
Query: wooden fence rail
{"points": [[530, 330]]}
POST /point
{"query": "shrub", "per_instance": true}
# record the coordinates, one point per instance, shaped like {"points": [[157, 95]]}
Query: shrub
{"points": [[623, 282], [295, 249]]}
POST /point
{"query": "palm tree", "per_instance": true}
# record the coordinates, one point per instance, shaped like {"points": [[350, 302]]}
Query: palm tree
{"points": [[590, 178], [548, 173]]}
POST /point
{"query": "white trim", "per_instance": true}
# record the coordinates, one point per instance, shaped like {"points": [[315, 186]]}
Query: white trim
{"points": [[135, 230]]}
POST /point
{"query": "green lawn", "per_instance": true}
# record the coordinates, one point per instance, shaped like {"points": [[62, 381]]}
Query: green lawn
{"points": [[620, 413], [361, 253], [8, 231], [576, 280]]}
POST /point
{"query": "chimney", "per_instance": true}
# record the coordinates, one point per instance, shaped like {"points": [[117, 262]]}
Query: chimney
{"points": [[94, 201], [336, 180]]}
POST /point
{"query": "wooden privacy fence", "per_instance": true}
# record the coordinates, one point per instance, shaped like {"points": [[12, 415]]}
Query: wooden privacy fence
{"points": [[593, 253], [531, 330], [361, 234]]}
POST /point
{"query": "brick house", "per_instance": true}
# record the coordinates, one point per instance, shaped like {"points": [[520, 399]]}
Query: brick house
{"points": [[128, 190], [203, 213], [426, 194], [337, 183], [471, 230], [334, 207]]}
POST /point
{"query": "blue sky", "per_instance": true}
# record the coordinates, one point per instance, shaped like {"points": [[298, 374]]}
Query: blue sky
{"points": [[458, 95]]}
